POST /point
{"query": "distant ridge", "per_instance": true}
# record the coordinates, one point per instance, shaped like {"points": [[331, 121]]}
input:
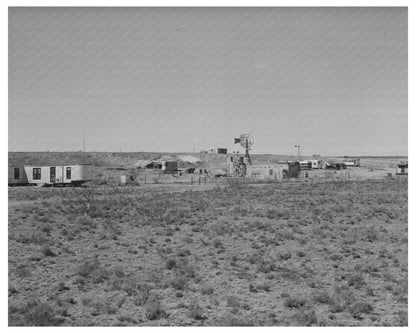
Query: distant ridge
{"points": [[126, 159], [130, 159], [369, 156]]}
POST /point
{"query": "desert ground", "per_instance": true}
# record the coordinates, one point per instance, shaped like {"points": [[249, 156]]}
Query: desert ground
{"points": [[329, 251]]}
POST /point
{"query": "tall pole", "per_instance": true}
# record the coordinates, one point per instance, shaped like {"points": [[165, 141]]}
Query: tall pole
{"points": [[83, 155], [298, 147], [247, 154]]}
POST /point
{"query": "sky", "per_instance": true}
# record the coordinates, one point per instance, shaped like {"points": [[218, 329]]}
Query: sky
{"points": [[332, 80]]}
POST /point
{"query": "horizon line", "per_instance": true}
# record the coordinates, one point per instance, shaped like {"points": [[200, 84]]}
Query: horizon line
{"points": [[184, 152]]}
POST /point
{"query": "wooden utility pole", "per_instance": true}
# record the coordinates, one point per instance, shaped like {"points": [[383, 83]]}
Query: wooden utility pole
{"points": [[83, 155]]}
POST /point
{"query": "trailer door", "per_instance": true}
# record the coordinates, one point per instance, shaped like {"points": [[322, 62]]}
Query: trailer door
{"points": [[53, 174]]}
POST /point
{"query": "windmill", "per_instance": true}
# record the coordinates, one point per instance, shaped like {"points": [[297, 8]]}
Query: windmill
{"points": [[246, 141]]}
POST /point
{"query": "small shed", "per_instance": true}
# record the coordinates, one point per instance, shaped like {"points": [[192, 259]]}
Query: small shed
{"points": [[402, 168], [293, 170], [169, 166], [314, 164], [222, 151], [127, 179]]}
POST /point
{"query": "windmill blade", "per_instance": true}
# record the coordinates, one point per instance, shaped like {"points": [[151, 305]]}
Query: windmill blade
{"points": [[246, 140]]}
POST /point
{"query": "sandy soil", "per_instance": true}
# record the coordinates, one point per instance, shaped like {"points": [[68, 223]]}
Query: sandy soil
{"points": [[318, 253]]}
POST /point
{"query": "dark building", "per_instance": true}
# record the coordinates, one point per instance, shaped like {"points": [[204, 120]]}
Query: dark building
{"points": [[294, 170], [402, 168], [222, 150]]}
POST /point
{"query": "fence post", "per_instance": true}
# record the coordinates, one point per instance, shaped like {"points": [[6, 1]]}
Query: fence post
{"points": [[205, 180], [145, 179], [192, 180]]}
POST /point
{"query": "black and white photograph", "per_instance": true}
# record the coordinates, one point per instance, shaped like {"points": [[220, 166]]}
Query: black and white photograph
{"points": [[207, 166]]}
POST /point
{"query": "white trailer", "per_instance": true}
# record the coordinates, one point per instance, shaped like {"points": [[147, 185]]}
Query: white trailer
{"points": [[314, 164], [56, 175]]}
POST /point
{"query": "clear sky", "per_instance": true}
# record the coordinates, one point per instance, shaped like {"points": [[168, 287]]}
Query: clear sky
{"points": [[333, 80]]}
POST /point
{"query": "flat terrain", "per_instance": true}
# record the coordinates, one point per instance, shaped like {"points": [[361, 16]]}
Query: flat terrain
{"points": [[320, 253]]}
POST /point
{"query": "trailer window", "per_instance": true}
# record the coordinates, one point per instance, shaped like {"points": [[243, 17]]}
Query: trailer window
{"points": [[68, 172], [16, 173], [36, 173]]}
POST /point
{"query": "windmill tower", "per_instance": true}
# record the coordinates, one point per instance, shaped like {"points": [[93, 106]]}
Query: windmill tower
{"points": [[246, 141], [241, 164]]}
